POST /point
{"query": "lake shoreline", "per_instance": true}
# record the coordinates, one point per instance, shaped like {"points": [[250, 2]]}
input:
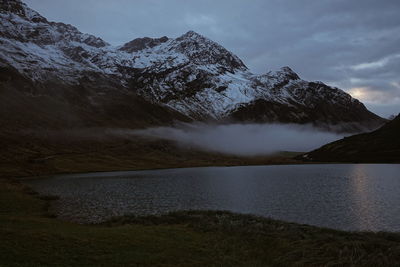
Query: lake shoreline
{"points": [[180, 238], [283, 192], [178, 216], [183, 238], [77, 172], [50, 173]]}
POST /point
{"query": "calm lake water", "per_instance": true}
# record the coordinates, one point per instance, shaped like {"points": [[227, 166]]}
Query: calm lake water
{"points": [[348, 197]]}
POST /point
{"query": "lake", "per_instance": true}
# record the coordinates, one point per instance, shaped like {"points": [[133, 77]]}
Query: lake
{"points": [[341, 196]]}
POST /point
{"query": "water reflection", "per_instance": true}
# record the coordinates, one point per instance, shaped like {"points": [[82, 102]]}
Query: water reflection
{"points": [[364, 204], [350, 197]]}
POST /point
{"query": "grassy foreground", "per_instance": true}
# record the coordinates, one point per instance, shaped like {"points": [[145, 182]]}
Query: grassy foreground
{"points": [[30, 237]]}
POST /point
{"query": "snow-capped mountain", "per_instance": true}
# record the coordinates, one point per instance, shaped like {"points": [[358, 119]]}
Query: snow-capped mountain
{"points": [[190, 74]]}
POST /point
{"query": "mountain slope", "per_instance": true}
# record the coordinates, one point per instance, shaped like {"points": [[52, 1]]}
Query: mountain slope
{"points": [[382, 145], [27, 105], [189, 75]]}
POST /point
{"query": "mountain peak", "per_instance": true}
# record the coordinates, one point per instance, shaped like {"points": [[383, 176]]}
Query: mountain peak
{"points": [[19, 8], [143, 43], [286, 69], [288, 72], [191, 34], [19, 22], [204, 51], [191, 74]]}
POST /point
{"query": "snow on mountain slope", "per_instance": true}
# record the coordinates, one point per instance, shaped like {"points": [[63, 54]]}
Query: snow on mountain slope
{"points": [[190, 74]]}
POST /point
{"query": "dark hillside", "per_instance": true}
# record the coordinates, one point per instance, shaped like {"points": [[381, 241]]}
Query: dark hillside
{"points": [[382, 145]]}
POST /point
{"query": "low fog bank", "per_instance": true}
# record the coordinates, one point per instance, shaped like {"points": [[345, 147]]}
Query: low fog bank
{"points": [[244, 139]]}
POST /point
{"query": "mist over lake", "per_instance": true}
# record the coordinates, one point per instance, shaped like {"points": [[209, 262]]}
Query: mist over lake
{"points": [[245, 139]]}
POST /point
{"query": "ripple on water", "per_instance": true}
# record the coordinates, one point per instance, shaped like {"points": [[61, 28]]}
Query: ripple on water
{"points": [[342, 196]]}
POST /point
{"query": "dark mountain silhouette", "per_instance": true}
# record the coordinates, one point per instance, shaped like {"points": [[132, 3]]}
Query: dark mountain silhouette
{"points": [[382, 145]]}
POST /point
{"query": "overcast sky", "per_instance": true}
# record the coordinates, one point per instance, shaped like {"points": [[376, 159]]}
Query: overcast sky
{"points": [[354, 45]]}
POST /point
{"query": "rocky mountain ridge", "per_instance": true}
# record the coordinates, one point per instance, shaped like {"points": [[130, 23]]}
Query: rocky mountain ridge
{"points": [[190, 75]]}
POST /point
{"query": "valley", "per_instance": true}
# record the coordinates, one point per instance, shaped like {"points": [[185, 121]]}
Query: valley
{"points": [[165, 151]]}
